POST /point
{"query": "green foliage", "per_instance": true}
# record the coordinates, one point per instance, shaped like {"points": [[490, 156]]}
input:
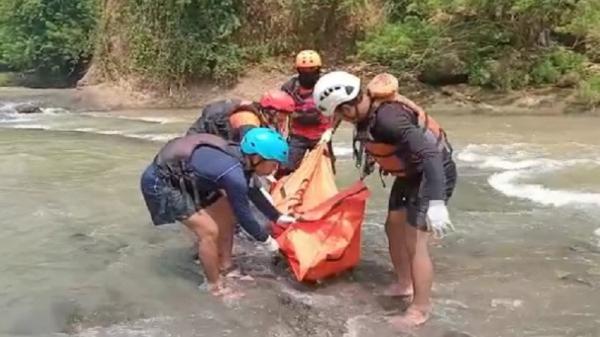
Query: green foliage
{"points": [[508, 72], [174, 41], [7, 79], [51, 37], [585, 26], [552, 65], [275, 27], [423, 9], [589, 91], [401, 46], [501, 44]]}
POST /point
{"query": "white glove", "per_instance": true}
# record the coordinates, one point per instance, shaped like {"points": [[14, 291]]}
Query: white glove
{"points": [[286, 220], [326, 137], [438, 219], [271, 245]]}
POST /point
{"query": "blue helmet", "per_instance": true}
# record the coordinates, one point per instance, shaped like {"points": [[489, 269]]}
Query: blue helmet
{"points": [[266, 143]]}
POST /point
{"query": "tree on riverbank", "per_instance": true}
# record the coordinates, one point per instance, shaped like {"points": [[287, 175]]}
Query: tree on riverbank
{"points": [[51, 39]]}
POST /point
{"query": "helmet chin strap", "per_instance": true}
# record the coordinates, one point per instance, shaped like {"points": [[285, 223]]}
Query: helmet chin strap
{"points": [[354, 118], [358, 116], [251, 165]]}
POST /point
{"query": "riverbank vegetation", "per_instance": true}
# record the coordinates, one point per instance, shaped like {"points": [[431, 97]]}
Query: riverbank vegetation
{"points": [[168, 44]]}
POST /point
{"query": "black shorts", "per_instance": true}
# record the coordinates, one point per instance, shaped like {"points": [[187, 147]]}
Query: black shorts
{"points": [[407, 194], [168, 204]]}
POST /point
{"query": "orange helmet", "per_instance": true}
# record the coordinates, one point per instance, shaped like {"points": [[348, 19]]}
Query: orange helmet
{"points": [[277, 100], [308, 59]]}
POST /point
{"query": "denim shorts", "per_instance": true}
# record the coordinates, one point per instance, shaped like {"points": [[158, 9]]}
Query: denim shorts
{"points": [[168, 204]]}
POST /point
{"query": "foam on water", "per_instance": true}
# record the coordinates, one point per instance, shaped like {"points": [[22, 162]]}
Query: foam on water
{"points": [[158, 137], [514, 164], [14, 118], [30, 126], [146, 119], [54, 111], [508, 183]]}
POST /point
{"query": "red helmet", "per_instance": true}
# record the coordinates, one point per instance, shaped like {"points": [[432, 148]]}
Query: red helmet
{"points": [[278, 100]]}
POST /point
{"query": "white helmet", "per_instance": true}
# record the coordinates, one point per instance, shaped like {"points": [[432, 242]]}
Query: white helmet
{"points": [[333, 89]]}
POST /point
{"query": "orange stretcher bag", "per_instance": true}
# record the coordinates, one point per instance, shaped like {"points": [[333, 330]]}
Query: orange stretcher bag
{"points": [[328, 240]]}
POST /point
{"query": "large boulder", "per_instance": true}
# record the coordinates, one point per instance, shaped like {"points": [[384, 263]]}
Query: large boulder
{"points": [[444, 70]]}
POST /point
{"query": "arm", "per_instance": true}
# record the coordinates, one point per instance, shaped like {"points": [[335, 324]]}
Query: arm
{"points": [[424, 152], [235, 185], [263, 204]]}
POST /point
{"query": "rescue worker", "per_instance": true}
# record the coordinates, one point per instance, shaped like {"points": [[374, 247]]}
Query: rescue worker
{"points": [[397, 135], [202, 181], [231, 118], [308, 124]]}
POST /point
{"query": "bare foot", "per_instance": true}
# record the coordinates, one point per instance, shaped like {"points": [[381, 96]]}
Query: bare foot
{"points": [[229, 294], [233, 273], [226, 268], [397, 290], [226, 293], [412, 318]]}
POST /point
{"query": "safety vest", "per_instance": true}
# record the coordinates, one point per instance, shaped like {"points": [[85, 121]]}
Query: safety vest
{"points": [[308, 121], [173, 159], [383, 90], [225, 118]]}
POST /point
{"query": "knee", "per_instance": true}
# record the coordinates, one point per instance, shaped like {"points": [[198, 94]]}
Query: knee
{"points": [[205, 233], [411, 251], [206, 236], [416, 242]]}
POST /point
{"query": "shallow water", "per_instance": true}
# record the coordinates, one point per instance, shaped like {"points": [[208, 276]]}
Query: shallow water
{"points": [[79, 256]]}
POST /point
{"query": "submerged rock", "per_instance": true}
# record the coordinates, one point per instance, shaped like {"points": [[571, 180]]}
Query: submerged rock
{"points": [[22, 108], [28, 108]]}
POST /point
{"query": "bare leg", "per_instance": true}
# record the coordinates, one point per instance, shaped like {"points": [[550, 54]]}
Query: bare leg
{"points": [[222, 213], [395, 230], [207, 233], [422, 273]]}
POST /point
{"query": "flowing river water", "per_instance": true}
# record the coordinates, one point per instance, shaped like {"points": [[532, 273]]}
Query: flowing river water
{"points": [[79, 256]]}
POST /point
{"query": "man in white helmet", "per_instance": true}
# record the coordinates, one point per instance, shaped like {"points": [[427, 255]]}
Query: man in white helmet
{"points": [[397, 135]]}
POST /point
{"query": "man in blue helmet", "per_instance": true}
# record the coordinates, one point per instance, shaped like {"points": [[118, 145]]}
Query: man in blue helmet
{"points": [[202, 180]]}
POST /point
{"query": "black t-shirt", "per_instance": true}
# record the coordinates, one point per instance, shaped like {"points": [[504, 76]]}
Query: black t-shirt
{"points": [[395, 124]]}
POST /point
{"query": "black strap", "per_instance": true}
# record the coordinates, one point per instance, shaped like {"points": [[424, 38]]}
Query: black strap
{"points": [[331, 156], [381, 173]]}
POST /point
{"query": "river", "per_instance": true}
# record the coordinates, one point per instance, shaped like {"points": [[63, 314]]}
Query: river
{"points": [[79, 256]]}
